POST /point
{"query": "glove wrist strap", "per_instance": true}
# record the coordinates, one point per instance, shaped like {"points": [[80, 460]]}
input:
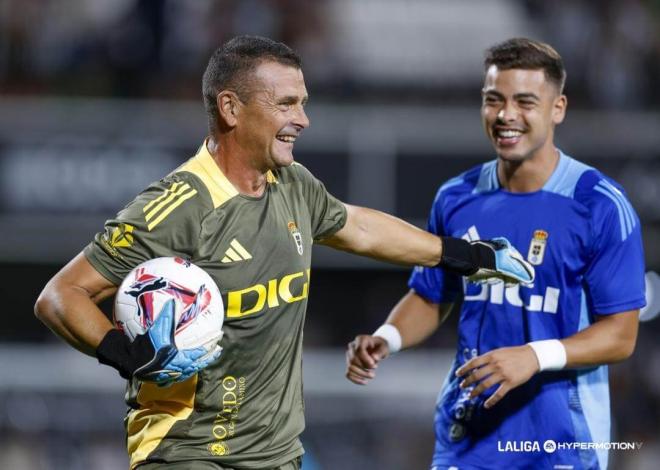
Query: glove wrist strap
{"points": [[114, 350], [464, 257]]}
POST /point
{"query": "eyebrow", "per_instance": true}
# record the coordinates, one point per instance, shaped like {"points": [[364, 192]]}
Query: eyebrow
{"points": [[517, 96], [290, 99], [523, 96]]}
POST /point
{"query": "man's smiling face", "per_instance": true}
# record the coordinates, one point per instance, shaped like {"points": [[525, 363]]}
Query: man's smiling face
{"points": [[519, 111], [273, 117]]}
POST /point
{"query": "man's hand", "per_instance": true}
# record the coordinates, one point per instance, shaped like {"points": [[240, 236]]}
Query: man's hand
{"points": [[169, 364], [507, 264], [362, 357], [508, 367], [153, 356]]}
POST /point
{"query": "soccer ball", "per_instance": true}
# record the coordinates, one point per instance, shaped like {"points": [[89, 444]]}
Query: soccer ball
{"points": [[198, 312]]}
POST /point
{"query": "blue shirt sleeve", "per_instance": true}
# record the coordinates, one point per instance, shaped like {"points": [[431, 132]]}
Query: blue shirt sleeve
{"points": [[435, 284], [615, 273]]}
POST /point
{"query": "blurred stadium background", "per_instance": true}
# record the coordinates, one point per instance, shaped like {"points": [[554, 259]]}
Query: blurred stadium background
{"points": [[98, 98]]}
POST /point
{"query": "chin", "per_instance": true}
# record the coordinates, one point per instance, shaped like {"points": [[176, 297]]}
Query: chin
{"points": [[511, 155], [283, 161]]}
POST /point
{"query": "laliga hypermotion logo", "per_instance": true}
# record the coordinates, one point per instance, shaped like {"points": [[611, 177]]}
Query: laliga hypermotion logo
{"points": [[297, 237], [148, 287]]}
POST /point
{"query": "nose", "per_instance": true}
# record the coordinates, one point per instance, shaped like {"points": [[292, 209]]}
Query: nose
{"points": [[507, 113], [301, 118]]}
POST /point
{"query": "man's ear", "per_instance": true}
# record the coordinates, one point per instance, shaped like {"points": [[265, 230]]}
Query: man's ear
{"points": [[228, 107], [559, 109]]}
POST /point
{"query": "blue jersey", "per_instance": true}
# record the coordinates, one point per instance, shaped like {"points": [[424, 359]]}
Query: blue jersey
{"points": [[584, 240]]}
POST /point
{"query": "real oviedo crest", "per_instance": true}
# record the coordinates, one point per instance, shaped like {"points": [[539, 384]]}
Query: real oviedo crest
{"points": [[537, 247], [297, 236]]}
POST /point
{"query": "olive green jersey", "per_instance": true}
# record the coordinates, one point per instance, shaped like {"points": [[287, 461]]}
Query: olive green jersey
{"points": [[246, 409]]}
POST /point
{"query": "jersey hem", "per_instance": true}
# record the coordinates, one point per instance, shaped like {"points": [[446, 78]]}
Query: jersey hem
{"points": [[335, 228], [430, 298], [252, 465], [612, 309], [424, 295], [99, 267]]}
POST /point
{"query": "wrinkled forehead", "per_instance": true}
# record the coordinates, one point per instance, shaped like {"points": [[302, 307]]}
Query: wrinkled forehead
{"points": [[517, 81], [280, 79]]}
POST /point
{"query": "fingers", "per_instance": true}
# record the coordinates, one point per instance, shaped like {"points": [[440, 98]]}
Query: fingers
{"points": [[358, 375], [473, 363], [476, 375], [162, 331], [485, 384], [485, 376], [362, 357], [508, 367], [501, 391], [195, 354], [366, 351], [216, 354]]}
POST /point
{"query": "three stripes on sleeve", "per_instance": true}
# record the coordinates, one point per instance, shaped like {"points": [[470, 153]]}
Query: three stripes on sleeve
{"points": [[157, 210]]}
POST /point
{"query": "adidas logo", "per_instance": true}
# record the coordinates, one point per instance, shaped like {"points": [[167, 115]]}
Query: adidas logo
{"points": [[236, 252]]}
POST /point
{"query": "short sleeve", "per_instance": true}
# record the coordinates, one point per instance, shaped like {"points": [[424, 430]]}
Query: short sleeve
{"points": [[328, 214], [163, 220], [436, 284], [615, 273]]}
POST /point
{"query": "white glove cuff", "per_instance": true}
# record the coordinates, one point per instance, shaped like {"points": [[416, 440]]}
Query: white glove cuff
{"points": [[550, 353], [391, 335]]}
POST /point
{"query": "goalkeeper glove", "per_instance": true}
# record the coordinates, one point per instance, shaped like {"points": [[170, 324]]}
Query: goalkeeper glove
{"points": [[153, 355], [486, 260]]}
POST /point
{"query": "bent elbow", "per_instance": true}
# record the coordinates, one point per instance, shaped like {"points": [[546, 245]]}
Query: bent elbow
{"points": [[622, 350], [40, 307], [44, 307], [627, 349]]}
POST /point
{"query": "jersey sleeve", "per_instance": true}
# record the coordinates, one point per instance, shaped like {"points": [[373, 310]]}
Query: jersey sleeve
{"points": [[163, 220], [328, 213], [436, 284], [615, 273]]}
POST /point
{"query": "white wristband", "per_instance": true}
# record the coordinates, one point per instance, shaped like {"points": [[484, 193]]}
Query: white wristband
{"points": [[391, 335], [550, 353]]}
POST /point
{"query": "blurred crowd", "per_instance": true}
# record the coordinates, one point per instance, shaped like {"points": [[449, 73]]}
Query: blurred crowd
{"points": [[611, 48], [158, 48], [134, 48]]}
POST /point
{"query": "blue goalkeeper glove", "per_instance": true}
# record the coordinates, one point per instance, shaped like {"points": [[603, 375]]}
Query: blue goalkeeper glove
{"points": [[486, 260], [509, 265], [153, 356]]}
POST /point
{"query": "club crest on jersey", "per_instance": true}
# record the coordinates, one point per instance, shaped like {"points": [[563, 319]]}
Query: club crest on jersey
{"points": [[537, 247], [297, 236]]}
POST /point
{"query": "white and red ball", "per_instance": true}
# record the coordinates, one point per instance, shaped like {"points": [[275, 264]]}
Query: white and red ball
{"points": [[199, 311]]}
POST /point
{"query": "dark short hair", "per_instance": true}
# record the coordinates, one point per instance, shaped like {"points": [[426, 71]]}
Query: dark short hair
{"points": [[231, 64], [526, 54]]}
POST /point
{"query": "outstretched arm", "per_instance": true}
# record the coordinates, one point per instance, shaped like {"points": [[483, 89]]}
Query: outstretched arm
{"points": [[610, 339], [415, 319], [378, 235]]}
